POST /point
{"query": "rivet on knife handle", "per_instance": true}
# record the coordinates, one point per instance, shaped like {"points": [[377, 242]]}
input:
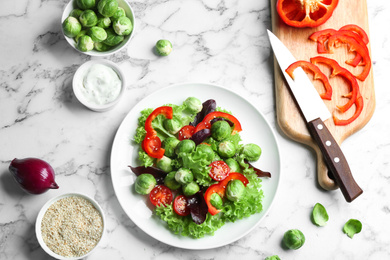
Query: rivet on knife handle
{"points": [[335, 159]]}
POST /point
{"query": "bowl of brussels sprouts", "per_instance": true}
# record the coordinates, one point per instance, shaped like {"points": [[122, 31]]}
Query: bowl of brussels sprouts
{"points": [[98, 27]]}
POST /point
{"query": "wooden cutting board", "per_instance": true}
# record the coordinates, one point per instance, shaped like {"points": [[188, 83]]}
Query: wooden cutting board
{"points": [[288, 116]]}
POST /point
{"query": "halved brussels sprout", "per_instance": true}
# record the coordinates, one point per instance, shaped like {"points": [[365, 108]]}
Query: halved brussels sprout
{"points": [[193, 105], [163, 47], [103, 22], [71, 27], [172, 125], [122, 26], [226, 149], [251, 152], [113, 39], [169, 145], [85, 4], [185, 146], [190, 188], [184, 176], [233, 165], [164, 163], [88, 18], [293, 239], [235, 190], [145, 183], [220, 130], [107, 8], [76, 13], [85, 43], [216, 201], [97, 34], [99, 46], [171, 182]]}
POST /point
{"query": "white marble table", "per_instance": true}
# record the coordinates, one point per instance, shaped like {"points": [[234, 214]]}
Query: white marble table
{"points": [[221, 42]]}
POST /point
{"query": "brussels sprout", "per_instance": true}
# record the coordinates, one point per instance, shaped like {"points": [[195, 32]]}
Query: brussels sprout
{"points": [[226, 149], [118, 13], [171, 182], [274, 257], [251, 152], [185, 146], [145, 183], [122, 26], [233, 165], [164, 163], [169, 145], [85, 43], [113, 39], [76, 13], [97, 34], [193, 105], [235, 190], [293, 239], [103, 22], [172, 125], [88, 18], [81, 33], [85, 4], [99, 46], [352, 227], [220, 130], [204, 150], [71, 27], [107, 8], [319, 215], [190, 188], [163, 47], [216, 201], [184, 176]]}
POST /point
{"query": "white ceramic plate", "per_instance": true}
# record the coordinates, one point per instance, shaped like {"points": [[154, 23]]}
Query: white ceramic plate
{"points": [[124, 152]]}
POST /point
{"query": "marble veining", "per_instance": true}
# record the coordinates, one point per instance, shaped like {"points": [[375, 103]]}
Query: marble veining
{"points": [[218, 41]]}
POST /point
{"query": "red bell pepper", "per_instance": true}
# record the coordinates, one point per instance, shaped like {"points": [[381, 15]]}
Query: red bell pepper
{"points": [[358, 111], [317, 75], [358, 30], [206, 123], [220, 189], [321, 37], [353, 45], [152, 143]]}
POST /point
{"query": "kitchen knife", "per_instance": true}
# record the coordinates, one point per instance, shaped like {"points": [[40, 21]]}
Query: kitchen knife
{"points": [[315, 112]]}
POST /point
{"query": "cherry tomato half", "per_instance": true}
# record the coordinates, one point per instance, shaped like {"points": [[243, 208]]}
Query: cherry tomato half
{"points": [[180, 206], [186, 132], [161, 195], [219, 170]]}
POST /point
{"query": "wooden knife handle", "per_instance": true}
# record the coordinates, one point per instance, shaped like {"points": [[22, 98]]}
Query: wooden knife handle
{"points": [[335, 159]]}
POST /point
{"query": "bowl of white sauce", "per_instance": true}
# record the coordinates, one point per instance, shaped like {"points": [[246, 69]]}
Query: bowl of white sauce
{"points": [[99, 84]]}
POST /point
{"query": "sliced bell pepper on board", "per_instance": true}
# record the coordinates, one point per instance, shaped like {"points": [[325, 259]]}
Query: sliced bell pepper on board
{"points": [[206, 123], [220, 189], [152, 143], [358, 30], [317, 75], [305, 13], [358, 111], [321, 37], [353, 45]]}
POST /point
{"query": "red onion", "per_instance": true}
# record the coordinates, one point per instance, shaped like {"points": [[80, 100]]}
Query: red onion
{"points": [[34, 175]]}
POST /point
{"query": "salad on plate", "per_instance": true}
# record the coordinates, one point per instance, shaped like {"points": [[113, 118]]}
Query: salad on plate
{"points": [[195, 168]]}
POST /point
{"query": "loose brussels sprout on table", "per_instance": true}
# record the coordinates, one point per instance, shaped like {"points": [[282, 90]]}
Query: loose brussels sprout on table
{"points": [[251, 152], [85, 43], [190, 188], [88, 18], [71, 26], [97, 34], [163, 47], [122, 26], [171, 182], [145, 183], [293, 239], [85, 4], [184, 176], [107, 8], [220, 130], [235, 190]]}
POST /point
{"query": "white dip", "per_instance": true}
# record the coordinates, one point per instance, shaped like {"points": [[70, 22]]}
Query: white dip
{"points": [[101, 85]]}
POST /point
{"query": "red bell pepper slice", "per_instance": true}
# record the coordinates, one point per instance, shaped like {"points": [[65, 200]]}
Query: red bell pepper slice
{"points": [[305, 13], [321, 37], [358, 111], [206, 123], [152, 143], [358, 30], [353, 45], [317, 75], [220, 189]]}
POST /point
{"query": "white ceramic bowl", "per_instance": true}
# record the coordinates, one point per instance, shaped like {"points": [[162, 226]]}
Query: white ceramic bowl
{"points": [[78, 79], [42, 213], [129, 13]]}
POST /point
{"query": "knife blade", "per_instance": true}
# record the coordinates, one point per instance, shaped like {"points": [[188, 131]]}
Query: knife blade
{"points": [[315, 113]]}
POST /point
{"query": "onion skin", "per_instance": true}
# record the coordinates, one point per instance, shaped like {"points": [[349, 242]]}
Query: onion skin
{"points": [[34, 175]]}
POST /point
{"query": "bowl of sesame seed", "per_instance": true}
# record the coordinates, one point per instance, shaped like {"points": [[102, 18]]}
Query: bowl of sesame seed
{"points": [[70, 226]]}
